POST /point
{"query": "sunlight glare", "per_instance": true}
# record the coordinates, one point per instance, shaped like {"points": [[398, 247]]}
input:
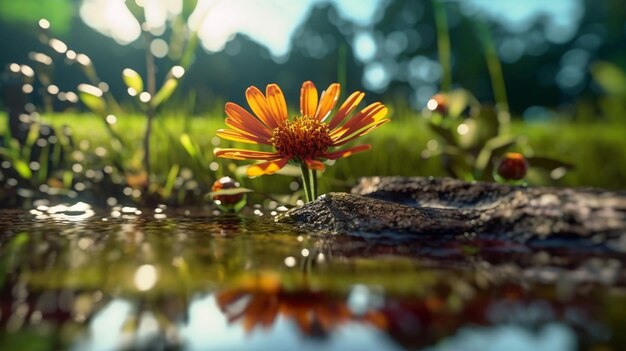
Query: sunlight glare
{"points": [[44, 23], [178, 71], [112, 18], [269, 23]]}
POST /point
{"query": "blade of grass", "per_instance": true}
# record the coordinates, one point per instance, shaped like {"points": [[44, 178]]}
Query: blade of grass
{"points": [[171, 179], [497, 77], [443, 44], [42, 174]]}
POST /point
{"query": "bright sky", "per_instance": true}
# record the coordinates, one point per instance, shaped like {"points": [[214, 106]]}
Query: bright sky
{"points": [[562, 16], [270, 23]]}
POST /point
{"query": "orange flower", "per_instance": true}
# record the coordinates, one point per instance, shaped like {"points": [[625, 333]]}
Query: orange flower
{"points": [[305, 139]]}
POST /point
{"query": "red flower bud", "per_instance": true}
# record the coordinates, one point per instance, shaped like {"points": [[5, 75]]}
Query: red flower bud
{"points": [[226, 183], [438, 103], [513, 166]]}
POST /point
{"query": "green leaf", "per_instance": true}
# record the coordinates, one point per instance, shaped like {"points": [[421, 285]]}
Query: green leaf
{"points": [[290, 170], [458, 101], [548, 163], [445, 133], [493, 146], [187, 143], [171, 179], [188, 7], [68, 179], [20, 166], [91, 97], [132, 79], [231, 191], [487, 124], [31, 139], [137, 11], [165, 92], [610, 77]]}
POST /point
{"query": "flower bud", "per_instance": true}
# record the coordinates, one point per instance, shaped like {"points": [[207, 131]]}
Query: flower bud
{"points": [[226, 183], [513, 166], [438, 103]]}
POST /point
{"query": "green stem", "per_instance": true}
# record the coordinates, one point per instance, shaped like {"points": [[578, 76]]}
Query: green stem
{"points": [[309, 183], [342, 69], [306, 182], [313, 176], [443, 45], [150, 110], [497, 77]]}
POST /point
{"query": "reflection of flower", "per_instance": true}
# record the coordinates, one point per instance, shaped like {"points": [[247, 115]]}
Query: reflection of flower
{"points": [[305, 139], [313, 312]]}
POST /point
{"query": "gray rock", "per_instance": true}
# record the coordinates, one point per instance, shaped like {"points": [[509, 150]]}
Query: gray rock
{"points": [[397, 206]]}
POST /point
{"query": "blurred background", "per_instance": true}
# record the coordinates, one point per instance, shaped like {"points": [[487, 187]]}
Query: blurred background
{"points": [[389, 46], [548, 68]]}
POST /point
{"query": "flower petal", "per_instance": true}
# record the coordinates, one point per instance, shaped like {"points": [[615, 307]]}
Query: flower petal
{"points": [[350, 104], [239, 127], [243, 154], [259, 106], [347, 152], [276, 102], [314, 164], [352, 136], [308, 99], [234, 135], [245, 121], [368, 115], [327, 101], [268, 167]]}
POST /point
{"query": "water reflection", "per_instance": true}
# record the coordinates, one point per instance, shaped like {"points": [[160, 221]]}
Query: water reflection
{"points": [[260, 301], [75, 212], [551, 337], [210, 328], [196, 281], [145, 277]]}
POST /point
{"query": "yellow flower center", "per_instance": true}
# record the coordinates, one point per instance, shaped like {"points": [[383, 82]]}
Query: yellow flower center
{"points": [[301, 138]]}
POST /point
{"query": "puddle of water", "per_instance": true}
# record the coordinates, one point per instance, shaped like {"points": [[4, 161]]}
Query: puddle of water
{"points": [[75, 279]]}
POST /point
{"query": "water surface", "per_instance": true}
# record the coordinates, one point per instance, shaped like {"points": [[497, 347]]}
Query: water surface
{"points": [[79, 279]]}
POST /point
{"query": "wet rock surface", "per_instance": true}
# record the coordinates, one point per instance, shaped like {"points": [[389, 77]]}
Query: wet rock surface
{"points": [[397, 206]]}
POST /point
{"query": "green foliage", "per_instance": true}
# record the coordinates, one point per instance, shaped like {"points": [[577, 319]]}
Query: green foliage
{"points": [[188, 7], [91, 97], [184, 166], [133, 80], [20, 166], [610, 77], [165, 92], [473, 137], [58, 12]]}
